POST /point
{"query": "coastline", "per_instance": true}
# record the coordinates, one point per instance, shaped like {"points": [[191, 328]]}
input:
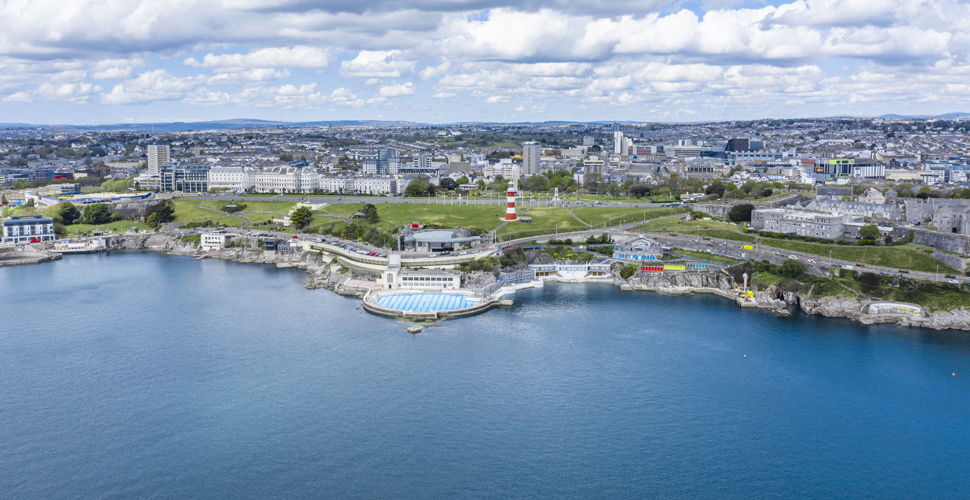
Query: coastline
{"points": [[323, 275]]}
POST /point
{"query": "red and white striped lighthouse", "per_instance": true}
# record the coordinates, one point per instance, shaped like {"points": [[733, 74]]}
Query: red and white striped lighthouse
{"points": [[510, 203]]}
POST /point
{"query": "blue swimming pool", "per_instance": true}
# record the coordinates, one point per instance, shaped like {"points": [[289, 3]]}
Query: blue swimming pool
{"points": [[425, 302]]}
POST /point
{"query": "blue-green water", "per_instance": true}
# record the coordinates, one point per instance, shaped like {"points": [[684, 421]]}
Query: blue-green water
{"points": [[139, 375]]}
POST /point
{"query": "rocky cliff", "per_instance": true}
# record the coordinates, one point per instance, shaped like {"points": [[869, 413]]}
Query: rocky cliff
{"points": [[322, 273], [781, 301]]}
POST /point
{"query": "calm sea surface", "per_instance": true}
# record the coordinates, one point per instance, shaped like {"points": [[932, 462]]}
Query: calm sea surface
{"points": [[140, 375]]}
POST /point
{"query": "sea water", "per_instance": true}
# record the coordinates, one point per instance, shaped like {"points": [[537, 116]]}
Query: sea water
{"points": [[141, 375]]}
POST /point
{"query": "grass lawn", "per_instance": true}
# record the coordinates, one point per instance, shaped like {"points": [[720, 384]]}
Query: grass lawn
{"points": [[545, 220], [613, 216], [118, 227], [897, 257], [228, 221], [708, 228], [187, 210], [484, 217], [260, 217], [253, 206], [670, 224]]}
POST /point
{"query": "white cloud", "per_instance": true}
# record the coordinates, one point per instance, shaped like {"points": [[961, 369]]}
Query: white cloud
{"points": [[376, 64], [397, 90], [276, 57]]}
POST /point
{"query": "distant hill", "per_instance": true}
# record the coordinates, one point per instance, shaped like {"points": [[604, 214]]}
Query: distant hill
{"points": [[215, 125]]}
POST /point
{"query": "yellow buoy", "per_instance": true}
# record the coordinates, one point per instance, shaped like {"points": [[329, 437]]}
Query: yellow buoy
{"points": [[570, 343], [745, 355]]}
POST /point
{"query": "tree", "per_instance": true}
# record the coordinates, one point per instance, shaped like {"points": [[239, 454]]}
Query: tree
{"points": [[448, 184], [301, 217], [869, 282], [462, 180], [370, 213], [65, 213], [165, 211], [153, 221], [869, 232], [97, 214], [741, 213], [416, 187], [792, 268], [717, 189]]}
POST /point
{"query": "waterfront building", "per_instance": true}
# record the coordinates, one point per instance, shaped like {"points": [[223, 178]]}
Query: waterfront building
{"points": [[213, 241], [639, 250], [19, 230], [438, 240], [396, 276]]}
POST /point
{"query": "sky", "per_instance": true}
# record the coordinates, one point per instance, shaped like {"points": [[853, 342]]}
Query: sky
{"points": [[436, 61]]}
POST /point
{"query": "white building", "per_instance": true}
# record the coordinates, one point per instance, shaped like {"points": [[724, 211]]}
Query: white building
{"points": [[287, 180], [232, 178], [334, 184], [375, 185], [213, 241], [617, 139], [19, 230], [158, 155], [531, 158]]}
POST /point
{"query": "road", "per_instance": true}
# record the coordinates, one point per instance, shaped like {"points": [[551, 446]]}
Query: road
{"points": [[524, 201]]}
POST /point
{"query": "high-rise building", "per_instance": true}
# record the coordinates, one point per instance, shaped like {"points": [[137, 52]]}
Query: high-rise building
{"points": [[386, 162], [531, 158], [158, 155], [617, 139], [588, 141], [737, 145]]}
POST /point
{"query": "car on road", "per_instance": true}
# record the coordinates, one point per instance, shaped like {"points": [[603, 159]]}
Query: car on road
{"points": [[792, 257], [953, 281]]}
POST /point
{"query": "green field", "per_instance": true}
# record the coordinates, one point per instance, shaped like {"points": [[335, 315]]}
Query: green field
{"points": [[118, 227], [545, 220], [614, 216], [896, 257], [398, 214], [187, 210], [253, 206], [707, 228]]}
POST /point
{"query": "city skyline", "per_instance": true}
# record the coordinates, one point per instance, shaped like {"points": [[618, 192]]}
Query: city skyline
{"points": [[98, 62]]}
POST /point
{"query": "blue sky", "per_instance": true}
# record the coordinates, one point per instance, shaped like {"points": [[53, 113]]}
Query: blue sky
{"points": [[436, 61]]}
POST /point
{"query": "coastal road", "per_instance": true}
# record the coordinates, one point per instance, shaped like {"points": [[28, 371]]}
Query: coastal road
{"points": [[524, 201]]}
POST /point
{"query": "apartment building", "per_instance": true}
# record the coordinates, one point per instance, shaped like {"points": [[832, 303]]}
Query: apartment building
{"points": [[800, 222], [286, 180], [232, 178], [19, 230]]}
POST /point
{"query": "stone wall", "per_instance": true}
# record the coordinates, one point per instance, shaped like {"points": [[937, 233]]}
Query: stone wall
{"points": [[950, 242]]}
